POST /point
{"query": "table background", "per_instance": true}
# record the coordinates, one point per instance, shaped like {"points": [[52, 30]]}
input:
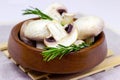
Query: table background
{"points": [[10, 14]]}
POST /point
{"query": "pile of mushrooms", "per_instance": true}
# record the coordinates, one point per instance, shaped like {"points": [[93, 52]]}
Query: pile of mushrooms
{"points": [[64, 29]]}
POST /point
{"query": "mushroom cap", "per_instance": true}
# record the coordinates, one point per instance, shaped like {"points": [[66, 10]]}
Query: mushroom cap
{"points": [[55, 11], [55, 15], [88, 26], [22, 36], [55, 7], [36, 30]]}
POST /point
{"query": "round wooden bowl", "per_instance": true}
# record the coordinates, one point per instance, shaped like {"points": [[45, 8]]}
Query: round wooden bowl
{"points": [[79, 61]]}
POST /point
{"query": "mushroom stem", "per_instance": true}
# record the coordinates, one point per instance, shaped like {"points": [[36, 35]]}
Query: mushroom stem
{"points": [[65, 39], [57, 30], [67, 18]]}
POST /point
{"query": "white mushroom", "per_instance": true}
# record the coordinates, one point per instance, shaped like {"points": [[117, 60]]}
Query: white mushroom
{"points": [[40, 45], [35, 30], [22, 36], [60, 8], [55, 11], [67, 18], [88, 26], [59, 35], [22, 30], [77, 42], [57, 30]]}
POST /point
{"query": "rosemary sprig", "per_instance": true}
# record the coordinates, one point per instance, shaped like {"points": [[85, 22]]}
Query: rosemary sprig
{"points": [[52, 52], [36, 11]]}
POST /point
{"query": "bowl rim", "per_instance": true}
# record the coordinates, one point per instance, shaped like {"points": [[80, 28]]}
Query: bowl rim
{"points": [[16, 31]]}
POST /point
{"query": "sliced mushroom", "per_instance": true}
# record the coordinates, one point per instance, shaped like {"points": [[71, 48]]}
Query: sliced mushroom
{"points": [[89, 26], [35, 30], [67, 18], [62, 36], [55, 11], [57, 30]]}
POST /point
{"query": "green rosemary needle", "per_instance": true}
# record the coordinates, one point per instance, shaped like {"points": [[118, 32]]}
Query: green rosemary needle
{"points": [[51, 53], [36, 11]]}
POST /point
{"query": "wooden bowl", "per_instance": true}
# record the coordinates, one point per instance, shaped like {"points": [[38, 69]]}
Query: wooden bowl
{"points": [[79, 61]]}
